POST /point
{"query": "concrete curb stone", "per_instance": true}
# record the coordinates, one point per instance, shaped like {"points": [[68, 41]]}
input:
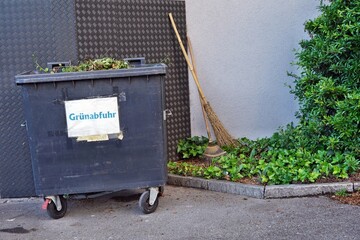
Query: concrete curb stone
{"points": [[187, 181], [236, 188], [300, 190], [257, 191], [217, 185]]}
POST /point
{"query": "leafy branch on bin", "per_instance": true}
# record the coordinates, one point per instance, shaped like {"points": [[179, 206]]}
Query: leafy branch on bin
{"points": [[38, 67], [97, 64], [105, 63]]}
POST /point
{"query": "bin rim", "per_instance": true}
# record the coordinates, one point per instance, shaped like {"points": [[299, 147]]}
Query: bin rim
{"points": [[143, 70]]}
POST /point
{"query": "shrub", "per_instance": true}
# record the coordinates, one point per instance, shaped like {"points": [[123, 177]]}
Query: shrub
{"points": [[328, 87]]}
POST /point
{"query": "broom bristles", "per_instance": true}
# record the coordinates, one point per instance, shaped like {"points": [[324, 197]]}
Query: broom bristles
{"points": [[223, 137]]}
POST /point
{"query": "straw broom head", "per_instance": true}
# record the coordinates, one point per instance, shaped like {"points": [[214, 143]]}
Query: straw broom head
{"points": [[223, 137]]}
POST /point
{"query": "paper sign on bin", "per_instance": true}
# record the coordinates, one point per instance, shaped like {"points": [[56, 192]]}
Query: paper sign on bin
{"points": [[88, 117]]}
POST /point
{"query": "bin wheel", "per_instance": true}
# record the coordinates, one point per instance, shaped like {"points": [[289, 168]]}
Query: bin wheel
{"points": [[144, 203], [53, 212], [161, 191]]}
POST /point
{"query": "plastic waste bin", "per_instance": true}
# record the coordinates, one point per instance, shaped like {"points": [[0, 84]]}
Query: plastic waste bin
{"points": [[96, 131]]}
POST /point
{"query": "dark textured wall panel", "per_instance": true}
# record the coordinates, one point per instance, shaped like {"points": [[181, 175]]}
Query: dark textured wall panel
{"points": [[136, 28], [47, 30]]}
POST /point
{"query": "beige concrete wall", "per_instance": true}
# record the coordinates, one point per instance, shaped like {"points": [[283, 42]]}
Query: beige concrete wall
{"points": [[243, 49]]}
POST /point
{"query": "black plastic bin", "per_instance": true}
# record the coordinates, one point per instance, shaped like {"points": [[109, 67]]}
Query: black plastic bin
{"points": [[64, 163]]}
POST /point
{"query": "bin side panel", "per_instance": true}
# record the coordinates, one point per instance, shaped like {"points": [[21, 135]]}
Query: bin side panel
{"points": [[141, 29], [63, 165], [47, 30]]}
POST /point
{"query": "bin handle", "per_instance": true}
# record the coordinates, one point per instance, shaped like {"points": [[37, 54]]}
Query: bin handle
{"points": [[167, 112]]}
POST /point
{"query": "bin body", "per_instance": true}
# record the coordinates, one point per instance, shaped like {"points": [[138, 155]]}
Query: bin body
{"points": [[64, 165]]}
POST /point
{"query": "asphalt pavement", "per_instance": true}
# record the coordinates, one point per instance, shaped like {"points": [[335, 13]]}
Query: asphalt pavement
{"points": [[183, 213]]}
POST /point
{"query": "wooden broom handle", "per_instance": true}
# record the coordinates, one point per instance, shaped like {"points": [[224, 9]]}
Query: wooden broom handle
{"points": [[187, 58], [201, 100]]}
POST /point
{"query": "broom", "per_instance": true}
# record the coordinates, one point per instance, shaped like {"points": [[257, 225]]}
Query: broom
{"points": [[212, 150], [222, 136]]}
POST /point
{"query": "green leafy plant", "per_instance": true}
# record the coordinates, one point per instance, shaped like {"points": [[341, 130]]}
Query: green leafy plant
{"points": [[341, 193], [273, 166], [213, 172], [192, 147], [283, 166], [185, 169]]}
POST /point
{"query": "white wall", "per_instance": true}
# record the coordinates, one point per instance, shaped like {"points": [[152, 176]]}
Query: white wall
{"points": [[243, 49]]}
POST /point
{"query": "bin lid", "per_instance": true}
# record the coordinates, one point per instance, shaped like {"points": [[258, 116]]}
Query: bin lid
{"points": [[142, 70]]}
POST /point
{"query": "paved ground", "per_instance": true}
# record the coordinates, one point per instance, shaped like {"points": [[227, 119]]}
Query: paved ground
{"points": [[183, 213]]}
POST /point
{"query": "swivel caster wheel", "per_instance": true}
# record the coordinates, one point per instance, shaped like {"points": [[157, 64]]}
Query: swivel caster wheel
{"points": [[56, 206], [149, 200]]}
